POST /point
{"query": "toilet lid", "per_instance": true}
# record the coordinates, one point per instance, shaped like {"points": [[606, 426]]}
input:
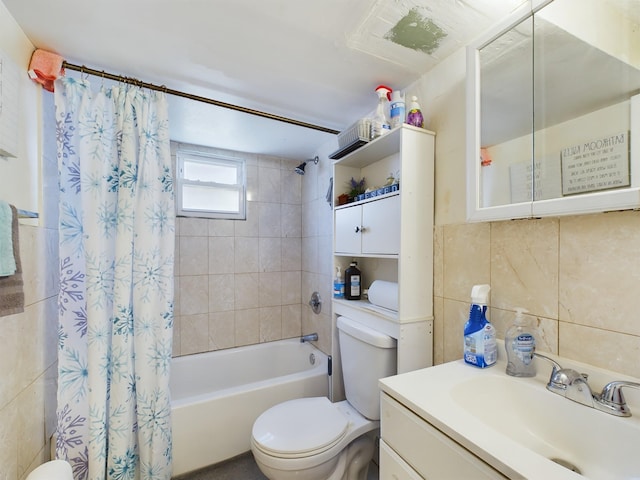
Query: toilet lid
{"points": [[299, 428]]}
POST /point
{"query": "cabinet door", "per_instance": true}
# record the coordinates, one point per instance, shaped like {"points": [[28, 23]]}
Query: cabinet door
{"points": [[348, 229], [381, 222]]}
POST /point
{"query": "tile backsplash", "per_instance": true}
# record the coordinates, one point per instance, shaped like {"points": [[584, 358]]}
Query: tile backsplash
{"points": [[578, 277]]}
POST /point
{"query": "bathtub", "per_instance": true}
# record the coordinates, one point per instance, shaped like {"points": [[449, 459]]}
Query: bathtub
{"points": [[216, 396]]}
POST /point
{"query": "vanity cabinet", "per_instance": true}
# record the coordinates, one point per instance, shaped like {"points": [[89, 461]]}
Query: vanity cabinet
{"points": [[411, 448], [372, 228], [391, 238]]}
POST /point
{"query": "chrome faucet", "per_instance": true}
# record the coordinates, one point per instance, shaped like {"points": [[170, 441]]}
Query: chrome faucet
{"points": [[312, 337], [568, 383], [611, 400], [573, 385]]}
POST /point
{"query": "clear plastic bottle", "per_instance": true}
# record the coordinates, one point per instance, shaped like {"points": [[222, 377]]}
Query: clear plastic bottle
{"points": [[520, 344], [338, 284], [380, 122], [397, 110], [480, 348]]}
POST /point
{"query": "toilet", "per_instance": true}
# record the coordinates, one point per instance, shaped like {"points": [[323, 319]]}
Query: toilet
{"points": [[315, 439]]}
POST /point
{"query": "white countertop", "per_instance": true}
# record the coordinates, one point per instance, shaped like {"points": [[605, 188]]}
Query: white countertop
{"points": [[429, 393]]}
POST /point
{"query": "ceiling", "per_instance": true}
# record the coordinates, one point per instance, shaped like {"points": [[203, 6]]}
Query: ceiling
{"points": [[315, 62]]}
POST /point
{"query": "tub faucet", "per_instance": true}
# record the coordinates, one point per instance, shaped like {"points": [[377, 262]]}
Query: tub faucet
{"points": [[312, 337]]}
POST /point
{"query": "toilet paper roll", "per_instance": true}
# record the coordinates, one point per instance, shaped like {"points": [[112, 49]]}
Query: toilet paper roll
{"points": [[384, 294], [53, 470]]}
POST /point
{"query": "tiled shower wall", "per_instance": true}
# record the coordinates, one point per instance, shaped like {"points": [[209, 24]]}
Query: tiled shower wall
{"points": [[238, 282]]}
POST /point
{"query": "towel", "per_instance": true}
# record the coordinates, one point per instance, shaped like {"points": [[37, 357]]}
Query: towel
{"points": [[7, 260], [11, 287], [45, 67]]}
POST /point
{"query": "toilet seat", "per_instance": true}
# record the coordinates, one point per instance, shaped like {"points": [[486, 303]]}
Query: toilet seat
{"points": [[300, 428]]}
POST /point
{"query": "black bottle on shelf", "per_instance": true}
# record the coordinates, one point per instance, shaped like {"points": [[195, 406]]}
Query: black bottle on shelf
{"points": [[352, 282]]}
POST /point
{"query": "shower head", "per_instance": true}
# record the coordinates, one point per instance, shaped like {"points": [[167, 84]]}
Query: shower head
{"points": [[300, 168]]}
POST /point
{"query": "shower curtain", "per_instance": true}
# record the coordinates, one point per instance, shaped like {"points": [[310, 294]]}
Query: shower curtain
{"points": [[116, 281]]}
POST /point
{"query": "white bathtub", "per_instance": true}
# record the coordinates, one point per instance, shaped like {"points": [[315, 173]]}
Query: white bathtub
{"points": [[216, 396]]}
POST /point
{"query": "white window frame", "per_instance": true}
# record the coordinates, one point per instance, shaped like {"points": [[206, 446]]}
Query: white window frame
{"points": [[191, 154]]}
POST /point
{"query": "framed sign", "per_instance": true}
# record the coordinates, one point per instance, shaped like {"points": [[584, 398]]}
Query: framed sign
{"points": [[598, 164]]}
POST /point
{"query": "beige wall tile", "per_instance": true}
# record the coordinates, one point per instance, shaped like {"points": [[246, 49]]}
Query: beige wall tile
{"points": [[247, 325], [291, 220], [546, 329], [270, 323], [9, 440], [438, 330], [30, 431], [291, 320], [222, 292], [252, 183], [270, 289], [269, 219], [194, 255], [269, 184], [247, 291], [194, 294], [438, 261], [606, 349], [220, 227], [270, 255], [221, 255], [251, 226], [524, 266], [222, 330], [10, 358], [291, 288], [176, 346], [246, 254], [600, 271], [194, 333], [193, 227], [455, 315], [466, 259], [291, 254]]}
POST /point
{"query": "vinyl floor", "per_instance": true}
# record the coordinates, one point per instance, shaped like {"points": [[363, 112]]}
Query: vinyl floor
{"points": [[243, 467]]}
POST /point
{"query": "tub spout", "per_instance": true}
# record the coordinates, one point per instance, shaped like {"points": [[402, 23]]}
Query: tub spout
{"points": [[312, 337]]}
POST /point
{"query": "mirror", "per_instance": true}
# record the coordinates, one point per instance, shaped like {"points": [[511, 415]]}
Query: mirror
{"points": [[553, 108]]}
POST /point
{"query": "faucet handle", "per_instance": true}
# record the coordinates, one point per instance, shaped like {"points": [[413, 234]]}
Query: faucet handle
{"points": [[613, 399]]}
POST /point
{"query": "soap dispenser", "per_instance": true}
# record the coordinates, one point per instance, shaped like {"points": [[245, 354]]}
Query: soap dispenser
{"points": [[520, 344]]}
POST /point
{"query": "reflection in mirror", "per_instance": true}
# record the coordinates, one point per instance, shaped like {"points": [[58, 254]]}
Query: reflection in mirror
{"points": [[506, 112], [558, 88], [583, 82]]}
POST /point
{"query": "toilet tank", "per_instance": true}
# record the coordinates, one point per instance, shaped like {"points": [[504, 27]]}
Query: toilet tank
{"points": [[366, 356]]}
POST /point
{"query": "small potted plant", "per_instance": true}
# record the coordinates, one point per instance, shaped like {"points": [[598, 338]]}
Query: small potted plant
{"points": [[356, 188]]}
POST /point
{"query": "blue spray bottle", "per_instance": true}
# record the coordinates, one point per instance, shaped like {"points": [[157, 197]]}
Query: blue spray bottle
{"points": [[480, 347]]}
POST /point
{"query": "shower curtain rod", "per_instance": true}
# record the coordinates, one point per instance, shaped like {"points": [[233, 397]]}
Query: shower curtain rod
{"points": [[197, 98]]}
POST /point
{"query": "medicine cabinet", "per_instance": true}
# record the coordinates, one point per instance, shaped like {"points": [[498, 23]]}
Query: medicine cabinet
{"points": [[553, 112]]}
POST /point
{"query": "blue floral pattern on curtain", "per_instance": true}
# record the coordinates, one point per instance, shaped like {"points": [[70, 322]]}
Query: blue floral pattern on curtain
{"points": [[117, 220]]}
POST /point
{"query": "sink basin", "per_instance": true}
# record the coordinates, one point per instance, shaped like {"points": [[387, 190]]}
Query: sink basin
{"points": [[519, 427], [596, 444]]}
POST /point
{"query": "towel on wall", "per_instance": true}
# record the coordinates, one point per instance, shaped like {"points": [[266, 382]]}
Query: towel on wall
{"points": [[45, 67], [11, 287], [7, 259]]}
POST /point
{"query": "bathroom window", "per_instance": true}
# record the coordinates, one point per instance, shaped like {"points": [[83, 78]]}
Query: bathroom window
{"points": [[210, 185]]}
